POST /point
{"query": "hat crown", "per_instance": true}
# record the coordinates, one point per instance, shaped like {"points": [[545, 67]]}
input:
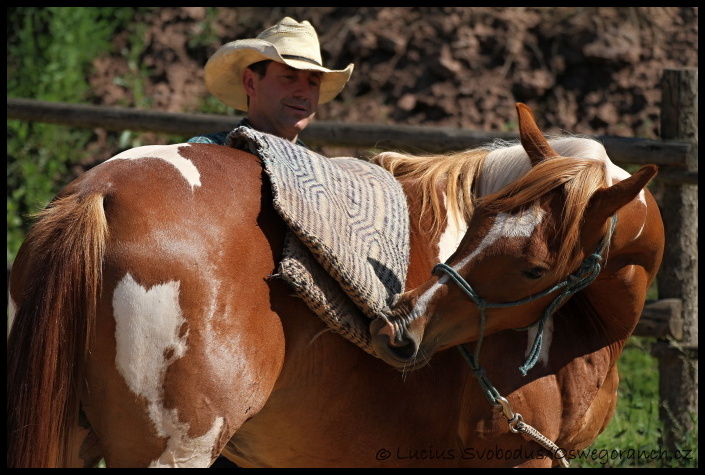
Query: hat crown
{"points": [[292, 38]]}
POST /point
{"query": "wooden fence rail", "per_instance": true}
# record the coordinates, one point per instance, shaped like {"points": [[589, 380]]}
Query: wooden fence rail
{"points": [[670, 156], [660, 318], [672, 319]]}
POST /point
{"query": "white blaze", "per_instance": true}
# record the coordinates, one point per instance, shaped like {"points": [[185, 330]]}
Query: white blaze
{"points": [[505, 226]]}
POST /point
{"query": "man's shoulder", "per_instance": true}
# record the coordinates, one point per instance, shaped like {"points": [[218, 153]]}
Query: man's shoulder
{"points": [[217, 138]]}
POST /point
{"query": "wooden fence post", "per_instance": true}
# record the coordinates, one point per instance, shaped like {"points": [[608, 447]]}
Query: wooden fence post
{"points": [[678, 276]]}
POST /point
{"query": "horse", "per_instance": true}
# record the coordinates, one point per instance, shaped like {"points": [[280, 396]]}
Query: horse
{"points": [[148, 332]]}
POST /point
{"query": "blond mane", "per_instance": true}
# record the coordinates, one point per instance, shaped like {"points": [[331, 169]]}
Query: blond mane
{"points": [[465, 177], [454, 174], [579, 179]]}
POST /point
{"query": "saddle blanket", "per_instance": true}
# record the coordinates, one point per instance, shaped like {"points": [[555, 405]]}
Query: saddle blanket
{"points": [[347, 249]]}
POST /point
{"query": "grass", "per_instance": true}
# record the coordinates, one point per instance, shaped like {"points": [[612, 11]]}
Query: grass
{"points": [[633, 437]]}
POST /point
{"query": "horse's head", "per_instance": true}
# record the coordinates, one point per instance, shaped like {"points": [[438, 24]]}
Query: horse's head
{"points": [[547, 232]]}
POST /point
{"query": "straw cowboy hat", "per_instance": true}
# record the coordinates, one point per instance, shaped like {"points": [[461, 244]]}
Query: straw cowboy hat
{"points": [[289, 42]]}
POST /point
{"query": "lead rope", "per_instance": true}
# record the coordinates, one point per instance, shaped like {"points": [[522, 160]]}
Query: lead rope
{"points": [[515, 420], [587, 272]]}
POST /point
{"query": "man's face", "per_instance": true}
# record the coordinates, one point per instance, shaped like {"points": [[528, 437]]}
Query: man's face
{"points": [[283, 101]]}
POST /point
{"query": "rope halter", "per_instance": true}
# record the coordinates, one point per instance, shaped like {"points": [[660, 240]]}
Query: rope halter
{"points": [[575, 282]]}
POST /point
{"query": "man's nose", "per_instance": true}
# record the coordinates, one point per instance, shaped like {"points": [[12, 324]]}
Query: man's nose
{"points": [[303, 89]]}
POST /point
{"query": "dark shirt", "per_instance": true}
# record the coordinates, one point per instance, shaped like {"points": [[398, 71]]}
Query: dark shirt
{"points": [[218, 138]]}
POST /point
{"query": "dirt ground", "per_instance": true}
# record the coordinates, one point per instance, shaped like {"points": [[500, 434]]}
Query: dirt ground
{"points": [[592, 70]]}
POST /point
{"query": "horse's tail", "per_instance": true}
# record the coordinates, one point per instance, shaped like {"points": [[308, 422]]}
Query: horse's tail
{"points": [[56, 282]]}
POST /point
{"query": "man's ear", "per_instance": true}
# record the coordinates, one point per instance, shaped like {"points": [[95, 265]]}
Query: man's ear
{"points": [[248, 81]]}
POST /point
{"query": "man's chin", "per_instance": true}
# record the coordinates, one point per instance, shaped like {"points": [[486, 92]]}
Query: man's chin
{"points": [[301, 123]]}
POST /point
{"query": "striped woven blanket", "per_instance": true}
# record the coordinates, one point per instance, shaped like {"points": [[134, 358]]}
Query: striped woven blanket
{"points": [[347, 250]]}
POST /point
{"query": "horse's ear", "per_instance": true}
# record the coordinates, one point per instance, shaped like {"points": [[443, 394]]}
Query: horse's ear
{"points": [[532, 139], [607, 201]]}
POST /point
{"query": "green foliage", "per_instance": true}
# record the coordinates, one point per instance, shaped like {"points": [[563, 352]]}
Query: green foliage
{"points": [[206, 34], [50, 51], [211, 105]]}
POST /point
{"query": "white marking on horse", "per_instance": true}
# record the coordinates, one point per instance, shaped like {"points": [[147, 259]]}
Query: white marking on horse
{"points": [[504, 165], [643, 224], [149, 338], [451, 236], [504, 226], [501, 167], [545, 343], [11, 311], [168, 153]]}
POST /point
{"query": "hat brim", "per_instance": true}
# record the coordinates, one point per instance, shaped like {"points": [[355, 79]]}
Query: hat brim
{"points": [[223, 71]]}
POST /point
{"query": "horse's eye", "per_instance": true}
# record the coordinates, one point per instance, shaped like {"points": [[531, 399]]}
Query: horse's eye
{"points": [[534, 273]]}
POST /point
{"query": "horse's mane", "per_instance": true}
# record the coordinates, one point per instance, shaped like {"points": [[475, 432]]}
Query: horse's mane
{"points": [[579, 179], [454, 173], [501, 171]]}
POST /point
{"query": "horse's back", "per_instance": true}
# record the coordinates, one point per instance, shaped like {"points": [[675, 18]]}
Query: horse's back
{"points": [[186, 345]]}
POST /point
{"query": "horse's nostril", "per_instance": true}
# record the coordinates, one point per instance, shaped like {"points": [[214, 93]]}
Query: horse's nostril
{"points": [[382, 327], [394, 339], [403, 349], [400, 339]]}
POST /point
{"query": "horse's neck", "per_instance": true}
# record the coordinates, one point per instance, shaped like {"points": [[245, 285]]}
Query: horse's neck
{"points": [[619, 293], [424, 246], [601, 317]]}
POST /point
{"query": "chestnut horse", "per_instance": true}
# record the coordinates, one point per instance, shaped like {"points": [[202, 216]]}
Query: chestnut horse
{"points": [[148, 333]]}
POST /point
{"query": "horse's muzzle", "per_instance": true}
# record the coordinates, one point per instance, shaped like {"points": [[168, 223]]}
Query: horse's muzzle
{"points": [[395, 344]]}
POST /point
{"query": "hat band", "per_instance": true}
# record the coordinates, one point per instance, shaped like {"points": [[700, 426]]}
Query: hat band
{"points": [[301, 58]]}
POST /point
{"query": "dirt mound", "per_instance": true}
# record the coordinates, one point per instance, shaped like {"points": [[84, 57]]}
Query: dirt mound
{"points": [[592, 70]]}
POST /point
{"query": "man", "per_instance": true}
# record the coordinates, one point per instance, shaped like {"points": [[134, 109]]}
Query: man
{"points": [[278, 79]]}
